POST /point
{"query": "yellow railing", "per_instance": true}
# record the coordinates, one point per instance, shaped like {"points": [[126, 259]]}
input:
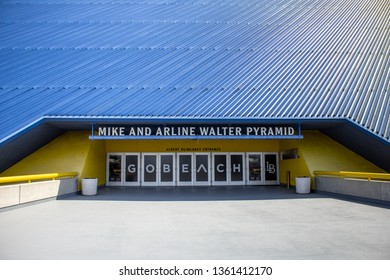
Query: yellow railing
{"points": [[358, 175], [36, 177]]}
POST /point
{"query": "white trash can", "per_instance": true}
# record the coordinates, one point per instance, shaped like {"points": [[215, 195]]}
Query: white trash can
{"points": [[89, 186], [302, 184]]}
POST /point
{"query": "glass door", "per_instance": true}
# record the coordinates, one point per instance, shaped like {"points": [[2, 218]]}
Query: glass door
{"points": [[202, 169], [254, 170], [149, 170], [237, 167], [220, 169], [271, 168], [114, 170], [167, 169], [184, 169], [132, 169]]}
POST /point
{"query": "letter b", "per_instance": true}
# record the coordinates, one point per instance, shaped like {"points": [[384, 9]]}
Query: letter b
{"points": [[166, 168]]}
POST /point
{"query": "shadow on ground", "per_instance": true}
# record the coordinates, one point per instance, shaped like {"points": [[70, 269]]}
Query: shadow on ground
{"points": [[193, 193], [213, 193]]}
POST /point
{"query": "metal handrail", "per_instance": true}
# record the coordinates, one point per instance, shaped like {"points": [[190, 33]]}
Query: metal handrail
{"points": [[36, 177], [358, 175]]}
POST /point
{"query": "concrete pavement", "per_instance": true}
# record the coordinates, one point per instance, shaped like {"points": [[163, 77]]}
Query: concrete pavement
{"points": [[222, 223]]}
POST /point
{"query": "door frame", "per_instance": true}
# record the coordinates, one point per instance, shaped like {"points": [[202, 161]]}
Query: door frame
{"points": [[255, 182], [108, 182], [143, 182], [209, 171], [271, 182], [170, 183], [243, 168], [184, 183], [213, 181], [131, 184]]}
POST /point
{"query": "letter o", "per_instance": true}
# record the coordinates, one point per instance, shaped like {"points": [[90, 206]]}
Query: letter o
{"points": [[150, 168]]}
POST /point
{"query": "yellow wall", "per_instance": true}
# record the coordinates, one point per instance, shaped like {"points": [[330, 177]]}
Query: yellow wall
{"points": [[296, 167], [323, 153], [72, 151], [319, 152], [192, 145], [95, 163]]}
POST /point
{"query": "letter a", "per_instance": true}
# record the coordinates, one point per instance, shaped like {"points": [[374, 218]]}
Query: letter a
{"points": [[201, 167]]}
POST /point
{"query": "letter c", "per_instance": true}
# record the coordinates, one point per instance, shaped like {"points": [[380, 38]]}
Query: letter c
{"points": [[220, 168]]}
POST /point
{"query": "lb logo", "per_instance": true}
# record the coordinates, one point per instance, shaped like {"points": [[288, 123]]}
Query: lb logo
{"points": [[270, 168]]}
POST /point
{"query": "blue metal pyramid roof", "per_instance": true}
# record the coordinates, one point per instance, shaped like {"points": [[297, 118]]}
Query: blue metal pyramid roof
{"points": [[196, 59]]}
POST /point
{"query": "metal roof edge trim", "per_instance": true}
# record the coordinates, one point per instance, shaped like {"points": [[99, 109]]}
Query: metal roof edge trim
{"points": [[197, 120], [153, 120], [21, 131], [94, 120], [194, 120], [368, 132]]}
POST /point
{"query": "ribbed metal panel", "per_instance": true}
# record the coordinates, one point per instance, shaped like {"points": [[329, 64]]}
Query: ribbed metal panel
{"points": [[308, 59]]}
